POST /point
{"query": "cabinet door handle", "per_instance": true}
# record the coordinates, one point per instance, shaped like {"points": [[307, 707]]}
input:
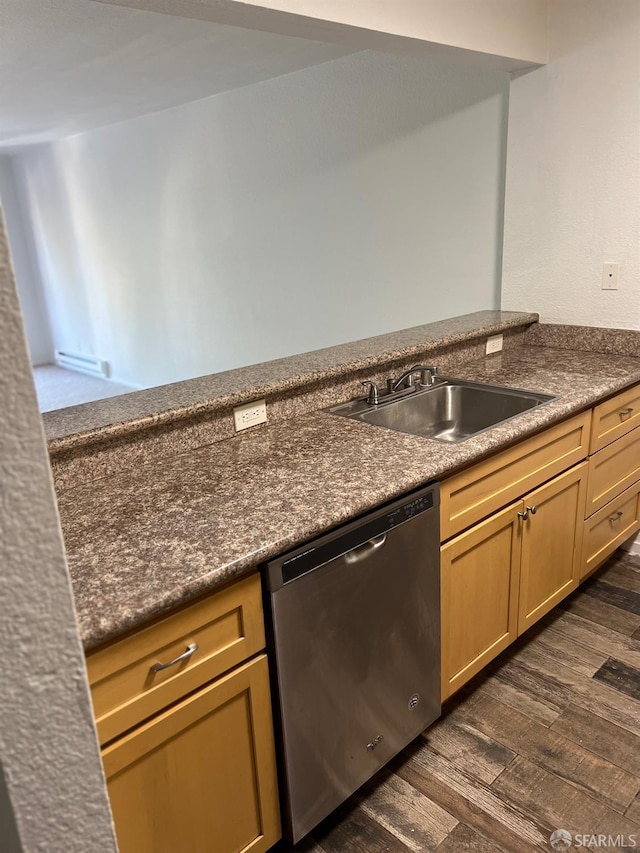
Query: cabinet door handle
{"points": [[524, 515], [625, 413], [532, 509], [616, 517], [191, 648]]}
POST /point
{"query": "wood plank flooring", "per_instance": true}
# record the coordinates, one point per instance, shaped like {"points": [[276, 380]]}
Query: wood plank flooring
{"points": [[547, 737]]}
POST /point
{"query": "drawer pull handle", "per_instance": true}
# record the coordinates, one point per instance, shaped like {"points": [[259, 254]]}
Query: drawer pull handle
{"points": [[191, 648], [532, 509], [625, 413], [618, 515], [524, 515]]}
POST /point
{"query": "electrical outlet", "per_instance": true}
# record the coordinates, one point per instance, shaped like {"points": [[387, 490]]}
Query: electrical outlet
{"points": [[610, 276], [494, 344], [250, 414]]}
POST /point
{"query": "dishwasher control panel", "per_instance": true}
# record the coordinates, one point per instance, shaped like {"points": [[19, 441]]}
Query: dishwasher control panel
{"points": [[408, 510], [327, 548]]}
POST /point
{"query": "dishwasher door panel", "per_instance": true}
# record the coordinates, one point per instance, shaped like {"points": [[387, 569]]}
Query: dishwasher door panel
{"points": [[358, 664]]}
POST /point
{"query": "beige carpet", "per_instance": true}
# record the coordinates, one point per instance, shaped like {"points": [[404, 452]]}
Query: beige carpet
{"points": [[58, 388]]}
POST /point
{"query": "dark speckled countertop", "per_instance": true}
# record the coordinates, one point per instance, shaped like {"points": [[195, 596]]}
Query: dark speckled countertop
{"points": [[169, 404], [143, 543]]}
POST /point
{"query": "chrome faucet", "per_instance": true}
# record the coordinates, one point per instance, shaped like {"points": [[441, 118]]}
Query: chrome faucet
{"points": [[373, 397], [427, 374], [402, 384]]}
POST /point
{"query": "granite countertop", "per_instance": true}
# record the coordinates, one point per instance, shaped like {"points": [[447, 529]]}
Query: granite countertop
{"points": [[143, 543], [126, 414]]}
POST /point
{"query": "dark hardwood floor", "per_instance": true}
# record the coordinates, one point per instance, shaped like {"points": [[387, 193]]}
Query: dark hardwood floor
{"points": [[547, 738]]}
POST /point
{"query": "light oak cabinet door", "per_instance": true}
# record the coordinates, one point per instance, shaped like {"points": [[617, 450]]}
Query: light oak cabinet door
{"points": [[502, 575], [551, 544], [480, 572], [200, 777]]}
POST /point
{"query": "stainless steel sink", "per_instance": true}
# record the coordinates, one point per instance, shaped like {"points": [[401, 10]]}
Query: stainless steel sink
{"points": [[451, 410]]}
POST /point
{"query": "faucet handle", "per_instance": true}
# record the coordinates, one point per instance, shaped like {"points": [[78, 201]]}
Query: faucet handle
{"points": [[373, 397], [428, 372], [393, 385]]}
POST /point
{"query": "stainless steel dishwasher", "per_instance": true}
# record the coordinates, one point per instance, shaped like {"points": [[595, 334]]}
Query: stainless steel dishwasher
{"points": [[355, 623]]}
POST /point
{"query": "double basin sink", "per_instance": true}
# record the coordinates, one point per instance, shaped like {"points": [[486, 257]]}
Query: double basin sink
{"points": [[447, 410]]}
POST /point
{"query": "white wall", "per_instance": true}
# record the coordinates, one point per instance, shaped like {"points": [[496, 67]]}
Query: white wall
{"points": [[52, 793], [573, 170], [349, 199], [27, 274]]}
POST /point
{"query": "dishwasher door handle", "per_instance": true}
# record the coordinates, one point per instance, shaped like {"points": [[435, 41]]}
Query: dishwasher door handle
{"points": [[361, 552]]}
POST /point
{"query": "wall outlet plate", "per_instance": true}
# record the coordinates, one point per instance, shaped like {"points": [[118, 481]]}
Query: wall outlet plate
{"points": [[494, 344], [610, 272], [250, 414]]}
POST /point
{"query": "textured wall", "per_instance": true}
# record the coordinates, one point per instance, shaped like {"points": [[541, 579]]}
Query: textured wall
{"points": [[50, 767], [573, 170], [343, 201]]}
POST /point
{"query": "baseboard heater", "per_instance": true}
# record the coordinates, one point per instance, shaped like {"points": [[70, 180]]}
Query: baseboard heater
{"points": [[83, 363]]}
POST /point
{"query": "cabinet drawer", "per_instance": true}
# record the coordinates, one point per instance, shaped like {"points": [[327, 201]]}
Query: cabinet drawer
{"points": [[612, 470], [228, 627], [201, 775], [614, 418], [480, 490], [608, 528]]}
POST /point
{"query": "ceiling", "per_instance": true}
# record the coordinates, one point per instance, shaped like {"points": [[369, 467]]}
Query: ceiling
{"points": [[68, 66]]}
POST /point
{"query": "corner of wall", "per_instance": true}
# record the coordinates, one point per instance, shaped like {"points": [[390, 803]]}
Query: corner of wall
{"points": [[48, 746]]}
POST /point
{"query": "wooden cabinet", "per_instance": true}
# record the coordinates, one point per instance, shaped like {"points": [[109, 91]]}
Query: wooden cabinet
{"points": [[227, 628], [614, 418], [503, 574], [199, 777], [613, 469], [479, 596], [555, 519], [608, 528], [612, 513], [188, 749], [551, 544], [493, 483]]}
